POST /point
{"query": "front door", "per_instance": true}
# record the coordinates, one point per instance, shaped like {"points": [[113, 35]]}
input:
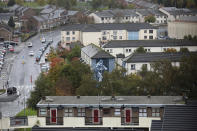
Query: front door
{"points": [[96, 116], [53, 116], [128, 115]]}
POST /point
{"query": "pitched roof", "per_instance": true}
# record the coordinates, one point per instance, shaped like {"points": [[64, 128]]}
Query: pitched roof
{"points": [[107, 101], [179, 118], [95, 52], [102, 54], [179, 11], [155, 56], [148, 43], [111, 26]]}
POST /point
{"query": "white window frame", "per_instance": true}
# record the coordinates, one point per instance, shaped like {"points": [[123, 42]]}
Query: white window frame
{"points": [[42, 111], [142, 112], [68, 112]]}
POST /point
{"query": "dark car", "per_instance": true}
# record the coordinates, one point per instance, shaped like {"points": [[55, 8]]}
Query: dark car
{"points": [[11, 90]]}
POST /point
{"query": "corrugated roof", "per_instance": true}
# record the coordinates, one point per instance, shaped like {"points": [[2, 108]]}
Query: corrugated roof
{"points": [[156, 125], [90, 50], [148, 43], [103, 54], [106, 100], [155, 56]]}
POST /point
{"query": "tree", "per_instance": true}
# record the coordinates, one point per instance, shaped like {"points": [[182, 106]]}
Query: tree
{"points": [[11, 2], [171, 50], [11, 22], [184, 50], [140, 50], [19, 2], [150, 19]]}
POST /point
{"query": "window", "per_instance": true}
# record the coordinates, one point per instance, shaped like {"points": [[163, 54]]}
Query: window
{"points": [[81, 112], [145, 65], [106, 111], [107, 50], [151, 37], [73, 32], [155, 112], [132, 66], [110, 50], [115, 32], [43, 112], [129, 50], [104, 38], [117, 112], [68, 112], [145, 37], [115, 37], [104, 32], [151, 31], [102, 18], [145, 31], [148, 50], [73, 38], [68, 33], [142, 112], [67, 38], [120, 37], [127, 18]]}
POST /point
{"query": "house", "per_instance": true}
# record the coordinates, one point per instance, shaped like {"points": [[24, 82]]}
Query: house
{"points": [[160, 17], [134, 62], [174, 13], [183, 26], [99, 34], [5, 33], [177, 117], [117, 112], [4, 17], [91, 55], [127, 47], [115, 16]]}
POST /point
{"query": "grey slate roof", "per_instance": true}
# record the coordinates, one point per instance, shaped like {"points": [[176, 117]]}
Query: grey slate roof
{"points": [[179, 11], [39, 18], [5, 16], [106, 100], [148, 43], [156, 125], [102, 54], [155, 56], [95, 52], [111, 26], [72, 12], [179, 118], [147, 12], [188, 18]]}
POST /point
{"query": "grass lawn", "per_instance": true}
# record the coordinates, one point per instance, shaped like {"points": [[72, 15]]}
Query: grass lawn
{"points": [[32, 5], [28, 112], [2, 91]]}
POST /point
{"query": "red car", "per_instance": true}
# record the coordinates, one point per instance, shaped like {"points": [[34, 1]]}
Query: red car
{"points": [[11, 49]]}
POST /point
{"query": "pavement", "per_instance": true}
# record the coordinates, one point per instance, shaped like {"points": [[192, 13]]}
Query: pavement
{"points": [[20, 74]]}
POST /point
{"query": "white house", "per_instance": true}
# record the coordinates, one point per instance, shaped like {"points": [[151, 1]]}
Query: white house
{"points": [[99, 34], [126, 47], [174, 13], [115, 16], [183, 26], [134, 62]]}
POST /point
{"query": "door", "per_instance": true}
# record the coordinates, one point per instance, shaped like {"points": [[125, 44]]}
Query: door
{"points": [[128, 115], [53, 116], [96, 116]]}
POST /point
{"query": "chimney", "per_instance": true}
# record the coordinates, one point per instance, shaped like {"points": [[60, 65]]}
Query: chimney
{"points": [[78, 96]]}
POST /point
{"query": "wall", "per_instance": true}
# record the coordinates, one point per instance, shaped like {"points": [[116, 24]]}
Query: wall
{"points": [[133, 35], [142, 34], [179, 29], [96, 18], [90, 37]]}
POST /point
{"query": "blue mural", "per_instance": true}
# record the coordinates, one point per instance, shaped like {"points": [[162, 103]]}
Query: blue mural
{"points": [[99, 69], [133, 35]]}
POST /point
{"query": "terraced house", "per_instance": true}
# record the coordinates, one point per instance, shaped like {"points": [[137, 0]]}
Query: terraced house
{"points": [[99, 34], [124, 112]]}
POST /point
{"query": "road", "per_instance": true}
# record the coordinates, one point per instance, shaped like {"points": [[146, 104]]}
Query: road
{"points": [[21, 74]]}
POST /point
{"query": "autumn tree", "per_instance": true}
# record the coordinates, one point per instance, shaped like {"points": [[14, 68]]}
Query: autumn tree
{"points": [[171, 50]]}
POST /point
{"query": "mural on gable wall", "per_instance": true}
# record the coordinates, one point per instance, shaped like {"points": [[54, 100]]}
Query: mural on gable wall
{"points": [[99, 69]]}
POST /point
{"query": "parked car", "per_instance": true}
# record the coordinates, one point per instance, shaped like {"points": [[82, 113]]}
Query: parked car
{"points": [[11, 90], [31, 53], [29, 44], [11, 49], [43, 40]]}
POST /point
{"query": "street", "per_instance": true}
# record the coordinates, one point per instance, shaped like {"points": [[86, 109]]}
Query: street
{"points": [[24, 69]]}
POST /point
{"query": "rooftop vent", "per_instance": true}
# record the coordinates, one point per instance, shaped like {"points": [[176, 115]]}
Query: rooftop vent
{"points": [[49, 99], [78, 96], [149, 96]]}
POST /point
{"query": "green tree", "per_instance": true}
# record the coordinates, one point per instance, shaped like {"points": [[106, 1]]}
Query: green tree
{"points": [[150, 19], [11, 22], [11, 3], [184, 50], [190, 4], [19, 2], [140, 50], [42, 88]]}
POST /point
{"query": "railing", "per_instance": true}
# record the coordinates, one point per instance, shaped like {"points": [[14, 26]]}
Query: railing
{"points": [[54, 121], [18, 121], [93, 120], [129, 120]]}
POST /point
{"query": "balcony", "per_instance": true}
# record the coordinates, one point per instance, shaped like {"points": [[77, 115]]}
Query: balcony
{"points": [[93, 121], [54, 121], [129, 120]]}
